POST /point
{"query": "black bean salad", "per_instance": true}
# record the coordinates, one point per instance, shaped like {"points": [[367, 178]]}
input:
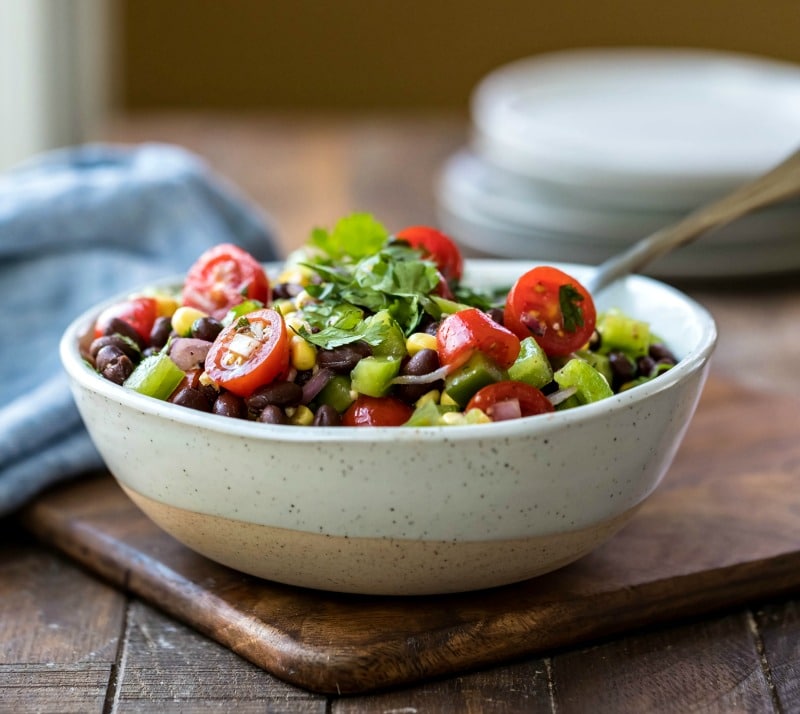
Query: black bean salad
{"points": [[368, 328]]}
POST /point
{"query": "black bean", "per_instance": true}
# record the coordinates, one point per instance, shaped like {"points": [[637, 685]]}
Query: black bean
{"points": [[127, 348], [159, 335], [118, 370], [106, 355], [645, 365], [595, 341], [230, 405], [342, 359], [326, 415], [303, 376], [661, 352], [423, 362], [432, 328], [120, 327], [272, 414], [622, 367], [283, 291], [192, 398], [496, 314], [206, 328], [281, 394]]}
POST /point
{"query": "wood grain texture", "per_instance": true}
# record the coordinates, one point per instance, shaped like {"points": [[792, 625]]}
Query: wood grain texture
{"points": [[779, 630], [720, 532], [518, 687], [59, 631], [166, 667], [711, 666]]}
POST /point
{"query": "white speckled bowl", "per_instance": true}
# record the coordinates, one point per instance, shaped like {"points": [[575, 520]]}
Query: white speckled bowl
{"points": [[399, 510]]}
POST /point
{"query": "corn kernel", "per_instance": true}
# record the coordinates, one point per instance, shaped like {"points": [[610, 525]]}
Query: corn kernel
{"points": [[453, 419], [184, 317], [296, 275], [295, 323], [206, 380], [303, 354], [420, 341], [433, 396], [302, 298], [447, 400], [166, 305], [477, 416], [285, 307], [302, 416]]}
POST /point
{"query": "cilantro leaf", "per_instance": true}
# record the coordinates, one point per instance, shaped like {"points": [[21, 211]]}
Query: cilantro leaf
{"points": [[353, 237], [569, 300]]}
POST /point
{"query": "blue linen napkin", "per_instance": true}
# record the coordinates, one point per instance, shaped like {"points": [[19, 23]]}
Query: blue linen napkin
{"points": [[78, 226]]}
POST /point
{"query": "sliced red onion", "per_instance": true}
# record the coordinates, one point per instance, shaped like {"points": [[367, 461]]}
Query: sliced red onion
{"points": [[434, 376], [561, 395], [189, 352], [316, 384], [505, 410]]}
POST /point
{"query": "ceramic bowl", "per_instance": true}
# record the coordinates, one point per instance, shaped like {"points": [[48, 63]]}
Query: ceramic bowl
{"points": [[405, 511]]}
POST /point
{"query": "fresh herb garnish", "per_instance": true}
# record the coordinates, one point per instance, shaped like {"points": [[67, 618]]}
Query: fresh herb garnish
{"points": [[364, 271], [353, 237], [569, 299]]}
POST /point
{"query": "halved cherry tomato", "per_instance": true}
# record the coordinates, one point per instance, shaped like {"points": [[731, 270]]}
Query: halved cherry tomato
{"points": [[377, 411], [250, 352], [223, 277], [553, 307], [463, 333], [140, 313], [441, 249], [531, 400]]}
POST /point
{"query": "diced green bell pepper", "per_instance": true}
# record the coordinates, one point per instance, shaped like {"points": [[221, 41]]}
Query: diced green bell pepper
{"points": [[591, 386], [478, 371], [532, 365], [155, 376], [426, 415], [600, 362], [373, 375], [448, 307], [336, 393], [620, 332]]}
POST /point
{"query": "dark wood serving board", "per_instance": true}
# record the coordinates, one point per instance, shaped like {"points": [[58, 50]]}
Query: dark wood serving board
{"points": [[722, 530]]}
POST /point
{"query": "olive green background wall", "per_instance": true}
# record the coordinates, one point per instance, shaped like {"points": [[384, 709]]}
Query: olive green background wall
{"points": [[362, 54]]}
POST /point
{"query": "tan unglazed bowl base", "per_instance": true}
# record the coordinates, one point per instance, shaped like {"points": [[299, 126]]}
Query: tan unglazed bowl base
{"points": [[378, 566]]}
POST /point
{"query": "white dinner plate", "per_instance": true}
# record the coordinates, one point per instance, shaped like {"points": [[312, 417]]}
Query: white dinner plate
{"points": [[654, 128], [465, 179], [482, 235]]}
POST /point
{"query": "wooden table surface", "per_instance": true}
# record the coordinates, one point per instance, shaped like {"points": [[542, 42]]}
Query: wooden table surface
{"points": [[69, 642]]}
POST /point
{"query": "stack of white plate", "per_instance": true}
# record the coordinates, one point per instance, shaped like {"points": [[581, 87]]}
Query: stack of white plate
{"points": [[575, 155]]}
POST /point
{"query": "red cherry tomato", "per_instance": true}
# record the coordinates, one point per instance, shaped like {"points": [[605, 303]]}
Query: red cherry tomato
{"points": [[463, 333], [553, 307], [250, 352], [222, 277], [140, 313], [441, 249], [377, 411], [531, 400]]}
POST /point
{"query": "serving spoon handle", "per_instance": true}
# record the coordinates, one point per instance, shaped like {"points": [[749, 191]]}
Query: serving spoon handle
{"points": [[781, 182]]}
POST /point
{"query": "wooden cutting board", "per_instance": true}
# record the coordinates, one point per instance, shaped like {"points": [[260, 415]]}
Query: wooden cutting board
{"points": [[723, 529]]}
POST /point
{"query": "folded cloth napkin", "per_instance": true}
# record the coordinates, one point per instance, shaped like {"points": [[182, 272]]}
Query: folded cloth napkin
{"points": [[77, 226]]}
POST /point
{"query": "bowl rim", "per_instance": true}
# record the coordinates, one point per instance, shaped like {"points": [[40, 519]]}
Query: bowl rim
{"points": [[82, 374]]}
